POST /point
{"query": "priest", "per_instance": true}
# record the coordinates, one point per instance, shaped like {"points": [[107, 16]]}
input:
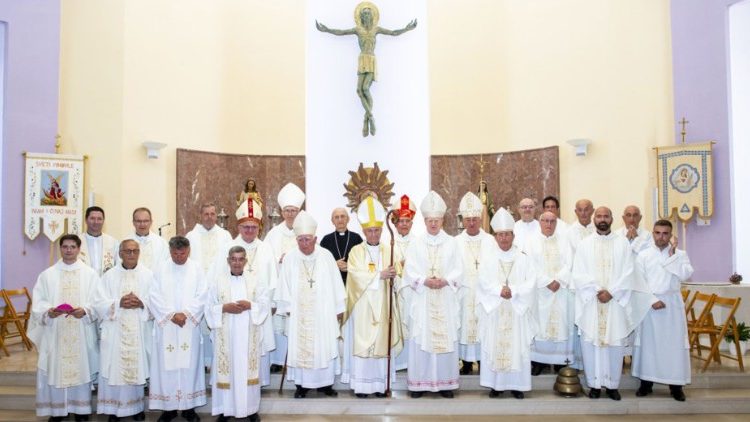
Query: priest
{"points": [[610, 303], [506, 300], [281, 239], [121, 301], [62, 328], [473, 244], [177, 303], [661, 352], [154, 249], [434, 271], [98, 249], [366, 322], [312, 295], [239, 305], [527, 225], [583, 226], [549, 251], [403, 218], [341, 241], [639, 238]]}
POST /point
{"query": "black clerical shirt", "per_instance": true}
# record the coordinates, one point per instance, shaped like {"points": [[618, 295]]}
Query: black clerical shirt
{"points": [[339, 244]]}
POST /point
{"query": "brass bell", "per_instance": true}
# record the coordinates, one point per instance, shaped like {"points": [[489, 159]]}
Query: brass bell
{"points": [[567, 383]]}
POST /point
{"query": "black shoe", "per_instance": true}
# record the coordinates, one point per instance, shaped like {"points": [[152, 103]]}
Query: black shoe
{"points": [[361, 395], [276, 368], [448, 394], [595, 393], [81, 418], [495, 393], [613, 394], [645, 389], [676, 392], [380, 395], [466, 367], [222, 418], [416, 394], [301, 392], [255, 417], [190, 415], [536, 368], [517, 394], [113, 418], [56, 418], [139, 416], [167, 416], [328, 391]]}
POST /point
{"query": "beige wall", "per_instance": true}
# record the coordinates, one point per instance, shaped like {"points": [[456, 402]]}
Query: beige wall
{"points": [[229, 76]]}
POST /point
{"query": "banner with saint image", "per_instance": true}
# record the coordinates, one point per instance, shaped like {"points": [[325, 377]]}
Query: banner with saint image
{"points": [[53, 194], [685, 181]]}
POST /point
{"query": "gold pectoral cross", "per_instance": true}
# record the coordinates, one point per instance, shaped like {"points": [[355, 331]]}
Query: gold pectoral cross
{"points": [[371, 267]]}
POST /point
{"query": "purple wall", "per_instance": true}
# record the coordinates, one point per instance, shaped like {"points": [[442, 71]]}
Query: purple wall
{"points": [[699, 54], [30, 124]]}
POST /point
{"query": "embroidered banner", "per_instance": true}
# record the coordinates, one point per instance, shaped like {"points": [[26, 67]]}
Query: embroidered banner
{"points": [[685, 181], [53, 193]]}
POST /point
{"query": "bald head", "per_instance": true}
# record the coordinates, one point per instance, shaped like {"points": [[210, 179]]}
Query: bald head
{"points": [[603, 220], [584, 211], [631, 217], [340, 219], [527, 209]]}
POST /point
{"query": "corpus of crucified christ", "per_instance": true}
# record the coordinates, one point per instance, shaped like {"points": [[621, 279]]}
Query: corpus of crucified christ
{"points": [[374, 210]]}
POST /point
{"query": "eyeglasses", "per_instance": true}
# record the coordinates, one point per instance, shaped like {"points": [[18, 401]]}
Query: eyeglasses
{"points": [[130, 251]]}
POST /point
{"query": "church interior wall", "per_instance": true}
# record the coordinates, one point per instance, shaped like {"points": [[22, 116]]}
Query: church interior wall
{"points": [[229, 77]]}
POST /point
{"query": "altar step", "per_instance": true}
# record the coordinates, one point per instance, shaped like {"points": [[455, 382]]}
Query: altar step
{"points": [[709, 393]]}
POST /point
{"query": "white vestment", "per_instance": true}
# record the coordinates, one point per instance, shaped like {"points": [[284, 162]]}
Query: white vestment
{"points": [[401, 244], [506, 326], [281, 239], [471, 249], [100, 252], [642, 241], [555, 311], [261, 264], [177, 374], [522, 230], [312, 293], [126, 336], [561, 229], [605, 262], [68, 353], [577, 232], [661, 353], [154, 250], [238, 342], [434, 313]]}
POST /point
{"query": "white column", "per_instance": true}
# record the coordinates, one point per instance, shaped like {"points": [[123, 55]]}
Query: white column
{"points": [[334, 114]]}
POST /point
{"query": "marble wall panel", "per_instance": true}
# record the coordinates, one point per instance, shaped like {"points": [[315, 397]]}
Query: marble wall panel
{"points": [[217, 177], [510, 176]]}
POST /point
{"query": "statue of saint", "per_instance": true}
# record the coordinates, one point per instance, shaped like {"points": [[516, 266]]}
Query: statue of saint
{"points": [[250, 191], [366, 17]]}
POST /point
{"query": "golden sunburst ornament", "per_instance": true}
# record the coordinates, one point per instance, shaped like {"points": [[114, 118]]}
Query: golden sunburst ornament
{"points": [[368, 181]]}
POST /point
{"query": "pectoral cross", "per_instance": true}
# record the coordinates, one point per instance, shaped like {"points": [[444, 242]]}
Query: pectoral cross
{"points": [[170, 348], [311, 281], [476, 264], [185, 346], [432, 271]]}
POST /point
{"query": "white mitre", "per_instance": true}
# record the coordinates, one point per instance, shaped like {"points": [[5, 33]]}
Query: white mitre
{"points": [[249, 211], [371, 213], [304, 224], [291, 196], [470, 206], [502, 221], [433, 206]]}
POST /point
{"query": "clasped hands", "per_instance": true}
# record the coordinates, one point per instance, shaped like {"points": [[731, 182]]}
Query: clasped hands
{"points": [[76, 313], [659, 305], [130, 301], [603, 296], [435, 283], [236, 307]]}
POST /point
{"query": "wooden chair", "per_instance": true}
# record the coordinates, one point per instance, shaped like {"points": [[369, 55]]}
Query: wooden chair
{"points": [[3, 321], [19, 319], [700, 299], [716, 333], [685, 297]]}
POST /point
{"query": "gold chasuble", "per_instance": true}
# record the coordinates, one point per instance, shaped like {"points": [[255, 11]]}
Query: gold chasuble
{"points": [[367, 302]]}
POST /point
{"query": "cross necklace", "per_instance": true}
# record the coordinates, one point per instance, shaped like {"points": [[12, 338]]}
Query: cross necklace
{"points": [[474, 251], [309, 273], [510, 270], [346, 245]]}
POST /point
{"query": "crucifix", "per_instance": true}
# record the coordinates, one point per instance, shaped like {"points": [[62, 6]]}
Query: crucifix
{"points": [[311, 281], [683, 122]]}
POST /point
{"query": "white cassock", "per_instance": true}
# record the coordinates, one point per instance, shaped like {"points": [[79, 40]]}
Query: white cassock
{"points": [[261, 265], [471, 249], [237, 342], [99, 252], [312, 293], [126, 336], [281, 239], [434, 313], [154, 250], [661, 353], [605, 262], [577, 232], [401, 244], [506, 326], [205, 246], [365, 361], [523, 230], [555, 311], [68, 353], [642, 241], [177, 375]]}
